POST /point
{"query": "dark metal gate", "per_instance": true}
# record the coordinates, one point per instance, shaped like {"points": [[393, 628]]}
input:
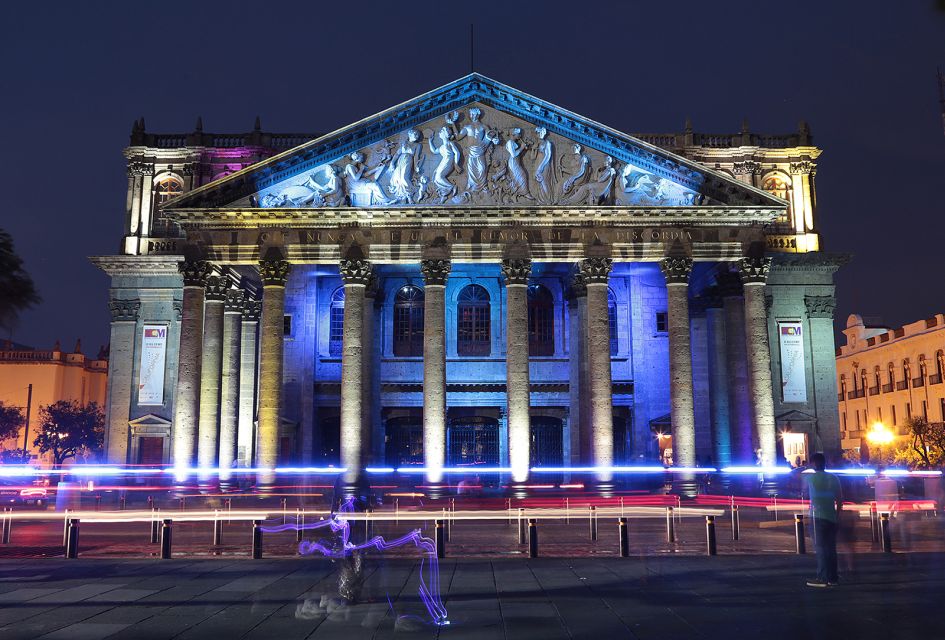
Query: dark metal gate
{"points": [[403, 441], [472, 440], [547, 442]]}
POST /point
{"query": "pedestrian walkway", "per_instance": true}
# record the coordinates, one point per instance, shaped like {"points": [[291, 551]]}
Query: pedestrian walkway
{"points": [[887, 596]]}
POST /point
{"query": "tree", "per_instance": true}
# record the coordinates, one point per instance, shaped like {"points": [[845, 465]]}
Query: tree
{"points": [[11, 419], [14, 456], [17, 292], [67, 428], [928, 442]]}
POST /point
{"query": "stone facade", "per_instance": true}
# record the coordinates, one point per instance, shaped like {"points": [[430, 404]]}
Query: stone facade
{"points": [[889, 376], [463, 269]]}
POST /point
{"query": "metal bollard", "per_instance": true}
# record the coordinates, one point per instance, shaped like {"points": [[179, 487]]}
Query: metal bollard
{"points": [[121, 503], [439, 537], [155, 529], [166, 540], [217, 529], [7, 525], [299, 522], [592, 521], [624, 537], [521, 526], [799, 533], [446, 526], [182, 504], [884, 527], [736, 525], [567, 511], [284, 500], [72, 540], [65, 528], [874, 522], [532, 538], [150, 503], [257, 539], [670, 526], [98, 502], [710, 535]]}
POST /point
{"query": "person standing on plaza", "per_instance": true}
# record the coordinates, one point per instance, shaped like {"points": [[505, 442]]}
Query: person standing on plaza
{"points": [[826, 502]]}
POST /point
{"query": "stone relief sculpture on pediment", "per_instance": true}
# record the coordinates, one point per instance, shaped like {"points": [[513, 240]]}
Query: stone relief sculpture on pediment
{"points": [[475, 156]]}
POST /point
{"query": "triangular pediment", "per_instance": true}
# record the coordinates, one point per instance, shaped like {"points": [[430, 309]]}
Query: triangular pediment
{"points": [[149, 420], [474, 142]]}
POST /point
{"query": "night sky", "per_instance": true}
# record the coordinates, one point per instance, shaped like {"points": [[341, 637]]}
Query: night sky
{"points": [[76, 75]]}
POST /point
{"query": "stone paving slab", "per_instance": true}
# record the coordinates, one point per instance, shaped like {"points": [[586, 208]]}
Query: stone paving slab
{"points": [[891, 596]]}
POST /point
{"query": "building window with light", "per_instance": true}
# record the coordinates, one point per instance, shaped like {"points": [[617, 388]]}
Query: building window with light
{"points": [[779, 185], [541, 321], [408, 322], [662, 322], [336, 322], [167, 188], [473, 322]]}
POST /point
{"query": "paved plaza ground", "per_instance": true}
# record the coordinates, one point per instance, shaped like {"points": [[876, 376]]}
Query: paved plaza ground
{"points": [[887, 596]]}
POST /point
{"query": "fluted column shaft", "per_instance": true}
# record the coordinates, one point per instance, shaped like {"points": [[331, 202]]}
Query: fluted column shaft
{"points": [[682, 413], [518, 385], [578, 411], [230, 386], [754, 273], [274, 275], [187, 395], [208, 429], [596, 272], [435, 274], [356, 275], [246, 437], [718, 385]]}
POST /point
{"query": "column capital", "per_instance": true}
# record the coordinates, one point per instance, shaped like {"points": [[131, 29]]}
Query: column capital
{"points": [[274, 272], [235, 300], [803, 168], [217, 287], [435, 272], [251, 309], [820, 306], [754, 270], [195, 272], [356, 271], [676, 270], [516, 271], [577, 287], [595, 270], [124, 310]]}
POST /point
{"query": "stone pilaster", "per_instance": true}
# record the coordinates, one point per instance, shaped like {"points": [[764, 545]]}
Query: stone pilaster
{"points": [[356, 275], [121, 364], [820, 310], [518, 388], [435, 273], [682, 411], [187, 399], [754, 273], [579, 411], [719, 412], [596, 272], [246, 436], [274, 274], [736, 358], [211, 372], [230, 386]]}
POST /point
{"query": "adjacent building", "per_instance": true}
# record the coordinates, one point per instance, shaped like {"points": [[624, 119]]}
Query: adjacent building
{"points": [[473, 277]]}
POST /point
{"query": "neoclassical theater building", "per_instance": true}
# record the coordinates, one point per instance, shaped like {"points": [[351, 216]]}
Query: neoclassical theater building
{"points": [[472, 277]]}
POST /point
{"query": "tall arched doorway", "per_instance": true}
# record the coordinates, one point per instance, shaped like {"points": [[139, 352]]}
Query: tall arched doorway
{"points": [[547, 442], [472, 440], [403, 441]]}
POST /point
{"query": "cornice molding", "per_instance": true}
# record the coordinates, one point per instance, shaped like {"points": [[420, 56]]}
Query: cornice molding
{"points": [[163, 265]]}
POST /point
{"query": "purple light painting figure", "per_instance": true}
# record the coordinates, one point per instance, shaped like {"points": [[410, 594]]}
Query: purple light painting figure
{"points": [[429, 592]]}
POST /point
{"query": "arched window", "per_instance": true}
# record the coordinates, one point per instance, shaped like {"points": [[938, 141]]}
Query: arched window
{"points": [[408, 321], [843, 386], [939, 367], [167, 188], [336, 322], [876, 378], [541, 321], [906, 374], [473, 322], [612, 321], [892, 375], [863, 379], [779, 185]]}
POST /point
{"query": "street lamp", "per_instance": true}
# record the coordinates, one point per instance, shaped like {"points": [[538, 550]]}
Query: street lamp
{"points": [[880, 434]]}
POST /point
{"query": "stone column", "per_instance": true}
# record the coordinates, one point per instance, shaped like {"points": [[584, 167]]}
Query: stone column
{"points": [[274, 274], [578, 418], [121, 366], [211, 370], [246, 436], [517, 382], [369, 372], [230, 387], [187, 396], [356, 275], [596, 272], [718, 381], [435, 273], [754, 273], [823, 373], [682, 413], [739, 402]]}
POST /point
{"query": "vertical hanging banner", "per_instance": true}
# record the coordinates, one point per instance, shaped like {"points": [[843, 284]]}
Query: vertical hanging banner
{"points": [[153, 356], [793, 377]]}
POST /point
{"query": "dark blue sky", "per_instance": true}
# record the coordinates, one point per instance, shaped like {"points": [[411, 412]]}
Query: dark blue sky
{"points": [[75, 76]]}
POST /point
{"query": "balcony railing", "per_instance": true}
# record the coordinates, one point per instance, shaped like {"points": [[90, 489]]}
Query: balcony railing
{"points": [[874, 391], [902, 385], [935, 379], [887, 388], [918, 382], [856, 393]]}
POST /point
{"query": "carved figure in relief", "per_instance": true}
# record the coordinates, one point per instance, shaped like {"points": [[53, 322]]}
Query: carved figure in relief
{"points": [[599, 191], [517, 176], [405, 167], [332, 193], [582, 170], [449, 162], [362, 181], [482, 138], [546, 174]]}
